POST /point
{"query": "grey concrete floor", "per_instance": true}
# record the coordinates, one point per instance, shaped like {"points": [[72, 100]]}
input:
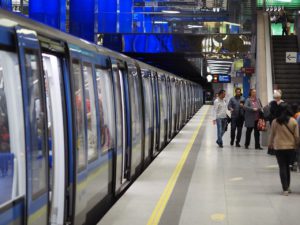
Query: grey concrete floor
{"points": [[231, 186]]}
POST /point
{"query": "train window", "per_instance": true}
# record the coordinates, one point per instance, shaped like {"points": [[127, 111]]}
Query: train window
{"points": [[136, 110], [90, 112], [12, 138], [148, 99], [106, 107], [119, 107], [79, 115], [37, 123]]}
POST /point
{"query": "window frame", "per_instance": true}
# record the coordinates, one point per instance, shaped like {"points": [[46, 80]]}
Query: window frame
{"points": [[109, 73], [79, 63], [93, 71], [36, 52]]}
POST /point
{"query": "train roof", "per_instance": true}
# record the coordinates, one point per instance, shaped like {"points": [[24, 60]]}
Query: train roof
{"points": [[10, 19]]}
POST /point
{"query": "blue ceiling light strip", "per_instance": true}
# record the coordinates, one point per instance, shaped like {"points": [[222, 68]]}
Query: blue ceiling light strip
{"points": [[52, 13], [82, 19], [138, 21], [107, 16], [6, 4], [148, 24], [145, 43]]}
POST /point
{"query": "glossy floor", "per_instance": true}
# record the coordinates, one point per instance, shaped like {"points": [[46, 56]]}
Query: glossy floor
{"points": [[230, 186]]}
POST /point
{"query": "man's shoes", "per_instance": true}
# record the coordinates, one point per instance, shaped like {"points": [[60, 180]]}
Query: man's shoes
{"points": [[219, 144], [246, 147], [237, 145], [259, 148], [231, 143]]}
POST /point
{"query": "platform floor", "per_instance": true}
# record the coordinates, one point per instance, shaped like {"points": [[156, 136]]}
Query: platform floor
{"points": [[230, 186]]}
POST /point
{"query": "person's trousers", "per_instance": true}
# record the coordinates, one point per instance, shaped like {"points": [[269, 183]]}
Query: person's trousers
{"points": [[284, 31], [256, 135], [221, 123], [284, 158], [235, 126]]}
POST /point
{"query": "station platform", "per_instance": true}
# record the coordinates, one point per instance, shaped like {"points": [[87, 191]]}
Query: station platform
{"points": [[195, 182]]}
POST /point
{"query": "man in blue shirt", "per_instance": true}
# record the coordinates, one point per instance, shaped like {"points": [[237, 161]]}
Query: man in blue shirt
{"points": [[236, 108]]}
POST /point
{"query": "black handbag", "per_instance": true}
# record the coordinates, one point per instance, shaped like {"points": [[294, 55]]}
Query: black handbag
{"points": [[228, 121]]}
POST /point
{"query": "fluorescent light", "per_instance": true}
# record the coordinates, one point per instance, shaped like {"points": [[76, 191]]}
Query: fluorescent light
{"points": [[234, 24], [194, 26], [219, 61], [160, 22], [170, 11]]}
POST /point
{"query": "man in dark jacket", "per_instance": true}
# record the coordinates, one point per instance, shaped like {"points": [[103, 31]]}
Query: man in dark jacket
{"points": [[284, 21], [236, 108]]}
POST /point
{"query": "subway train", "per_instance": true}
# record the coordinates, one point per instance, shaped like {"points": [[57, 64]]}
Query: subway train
{"points": [[78, 123]]}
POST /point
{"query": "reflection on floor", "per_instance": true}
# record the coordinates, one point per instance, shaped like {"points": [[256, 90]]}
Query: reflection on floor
{"points": [[230, 186]]}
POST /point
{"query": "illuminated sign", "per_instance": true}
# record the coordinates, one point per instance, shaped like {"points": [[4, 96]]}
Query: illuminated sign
{"points": [[221, 78], [224, 79], [248, 70], [285, 3]]}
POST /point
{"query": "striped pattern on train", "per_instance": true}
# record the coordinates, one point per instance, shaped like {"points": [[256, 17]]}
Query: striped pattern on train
{"points": [[78, 123]]}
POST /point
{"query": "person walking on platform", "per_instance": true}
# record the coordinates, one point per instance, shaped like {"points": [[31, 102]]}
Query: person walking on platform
{"points": [[284, 138], [275, 105], [237, 115], [273, 111], [296, 115], [253, 112], [220, 116]]}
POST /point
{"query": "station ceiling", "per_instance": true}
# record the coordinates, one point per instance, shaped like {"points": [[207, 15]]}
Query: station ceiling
{"points": [[222, 29]]}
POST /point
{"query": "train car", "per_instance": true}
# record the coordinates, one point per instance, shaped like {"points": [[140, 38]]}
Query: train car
{"points": [[78, 123]]}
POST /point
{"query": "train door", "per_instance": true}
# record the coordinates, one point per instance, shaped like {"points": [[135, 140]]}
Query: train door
{"points": [[136, 118], [12, 148], [178, 96], [79, 137], [122, 155], [148, 109], [100, 119], [170, 103], [36, 127], [163, 110], [156, 116], [56, 137], [174, 106]]}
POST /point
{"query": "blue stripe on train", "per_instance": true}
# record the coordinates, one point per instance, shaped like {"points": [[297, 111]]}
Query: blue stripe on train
{"points": [[12, 214], [38, 204]]}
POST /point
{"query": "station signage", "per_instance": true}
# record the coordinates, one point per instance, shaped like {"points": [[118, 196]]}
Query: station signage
{"points": [[248, 70], [221, 78], [292, 57]]}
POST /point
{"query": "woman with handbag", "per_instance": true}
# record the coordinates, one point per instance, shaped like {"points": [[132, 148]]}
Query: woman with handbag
{"points": [[284, 139], [253, 114]]}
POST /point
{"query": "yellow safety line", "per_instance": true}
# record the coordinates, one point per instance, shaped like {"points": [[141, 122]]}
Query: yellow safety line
{"points": [[42, 212], [164, 198]]}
